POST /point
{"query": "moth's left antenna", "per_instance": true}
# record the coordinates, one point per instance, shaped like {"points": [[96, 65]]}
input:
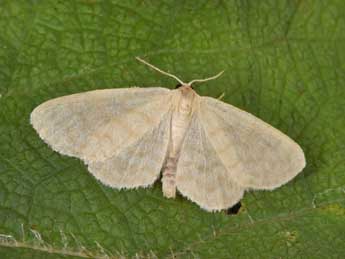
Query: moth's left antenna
{"points": [[161, 71]]}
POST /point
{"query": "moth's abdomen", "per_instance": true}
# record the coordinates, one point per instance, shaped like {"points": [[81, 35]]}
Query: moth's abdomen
{"points": [[168, 179]]}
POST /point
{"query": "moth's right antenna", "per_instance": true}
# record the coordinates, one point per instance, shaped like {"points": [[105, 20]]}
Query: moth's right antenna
{"points": [[206, 79], [161, 71]]}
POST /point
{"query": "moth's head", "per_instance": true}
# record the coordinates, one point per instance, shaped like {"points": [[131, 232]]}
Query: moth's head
{"points": [[186, 89], [179, 85]]}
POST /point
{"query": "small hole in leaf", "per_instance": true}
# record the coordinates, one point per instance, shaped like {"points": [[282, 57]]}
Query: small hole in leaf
{"points": [[234, 209]]}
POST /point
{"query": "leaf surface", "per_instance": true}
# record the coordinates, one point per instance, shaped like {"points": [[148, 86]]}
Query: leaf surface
{"points": [[283, 62]]}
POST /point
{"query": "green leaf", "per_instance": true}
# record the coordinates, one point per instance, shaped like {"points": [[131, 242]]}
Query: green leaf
{"points": [[283, 61]]}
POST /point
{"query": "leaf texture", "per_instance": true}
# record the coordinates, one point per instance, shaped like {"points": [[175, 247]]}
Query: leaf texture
{"points": [[283, 62]]}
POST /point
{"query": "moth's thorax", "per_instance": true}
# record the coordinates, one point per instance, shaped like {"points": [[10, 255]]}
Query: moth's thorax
{"points": [[186, 101]]}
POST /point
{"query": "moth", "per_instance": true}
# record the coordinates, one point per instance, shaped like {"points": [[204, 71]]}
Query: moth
{"points": [[208, 150]]}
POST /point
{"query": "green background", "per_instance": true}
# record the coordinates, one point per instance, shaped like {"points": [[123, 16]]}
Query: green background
{"points": [[283, 62]]}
